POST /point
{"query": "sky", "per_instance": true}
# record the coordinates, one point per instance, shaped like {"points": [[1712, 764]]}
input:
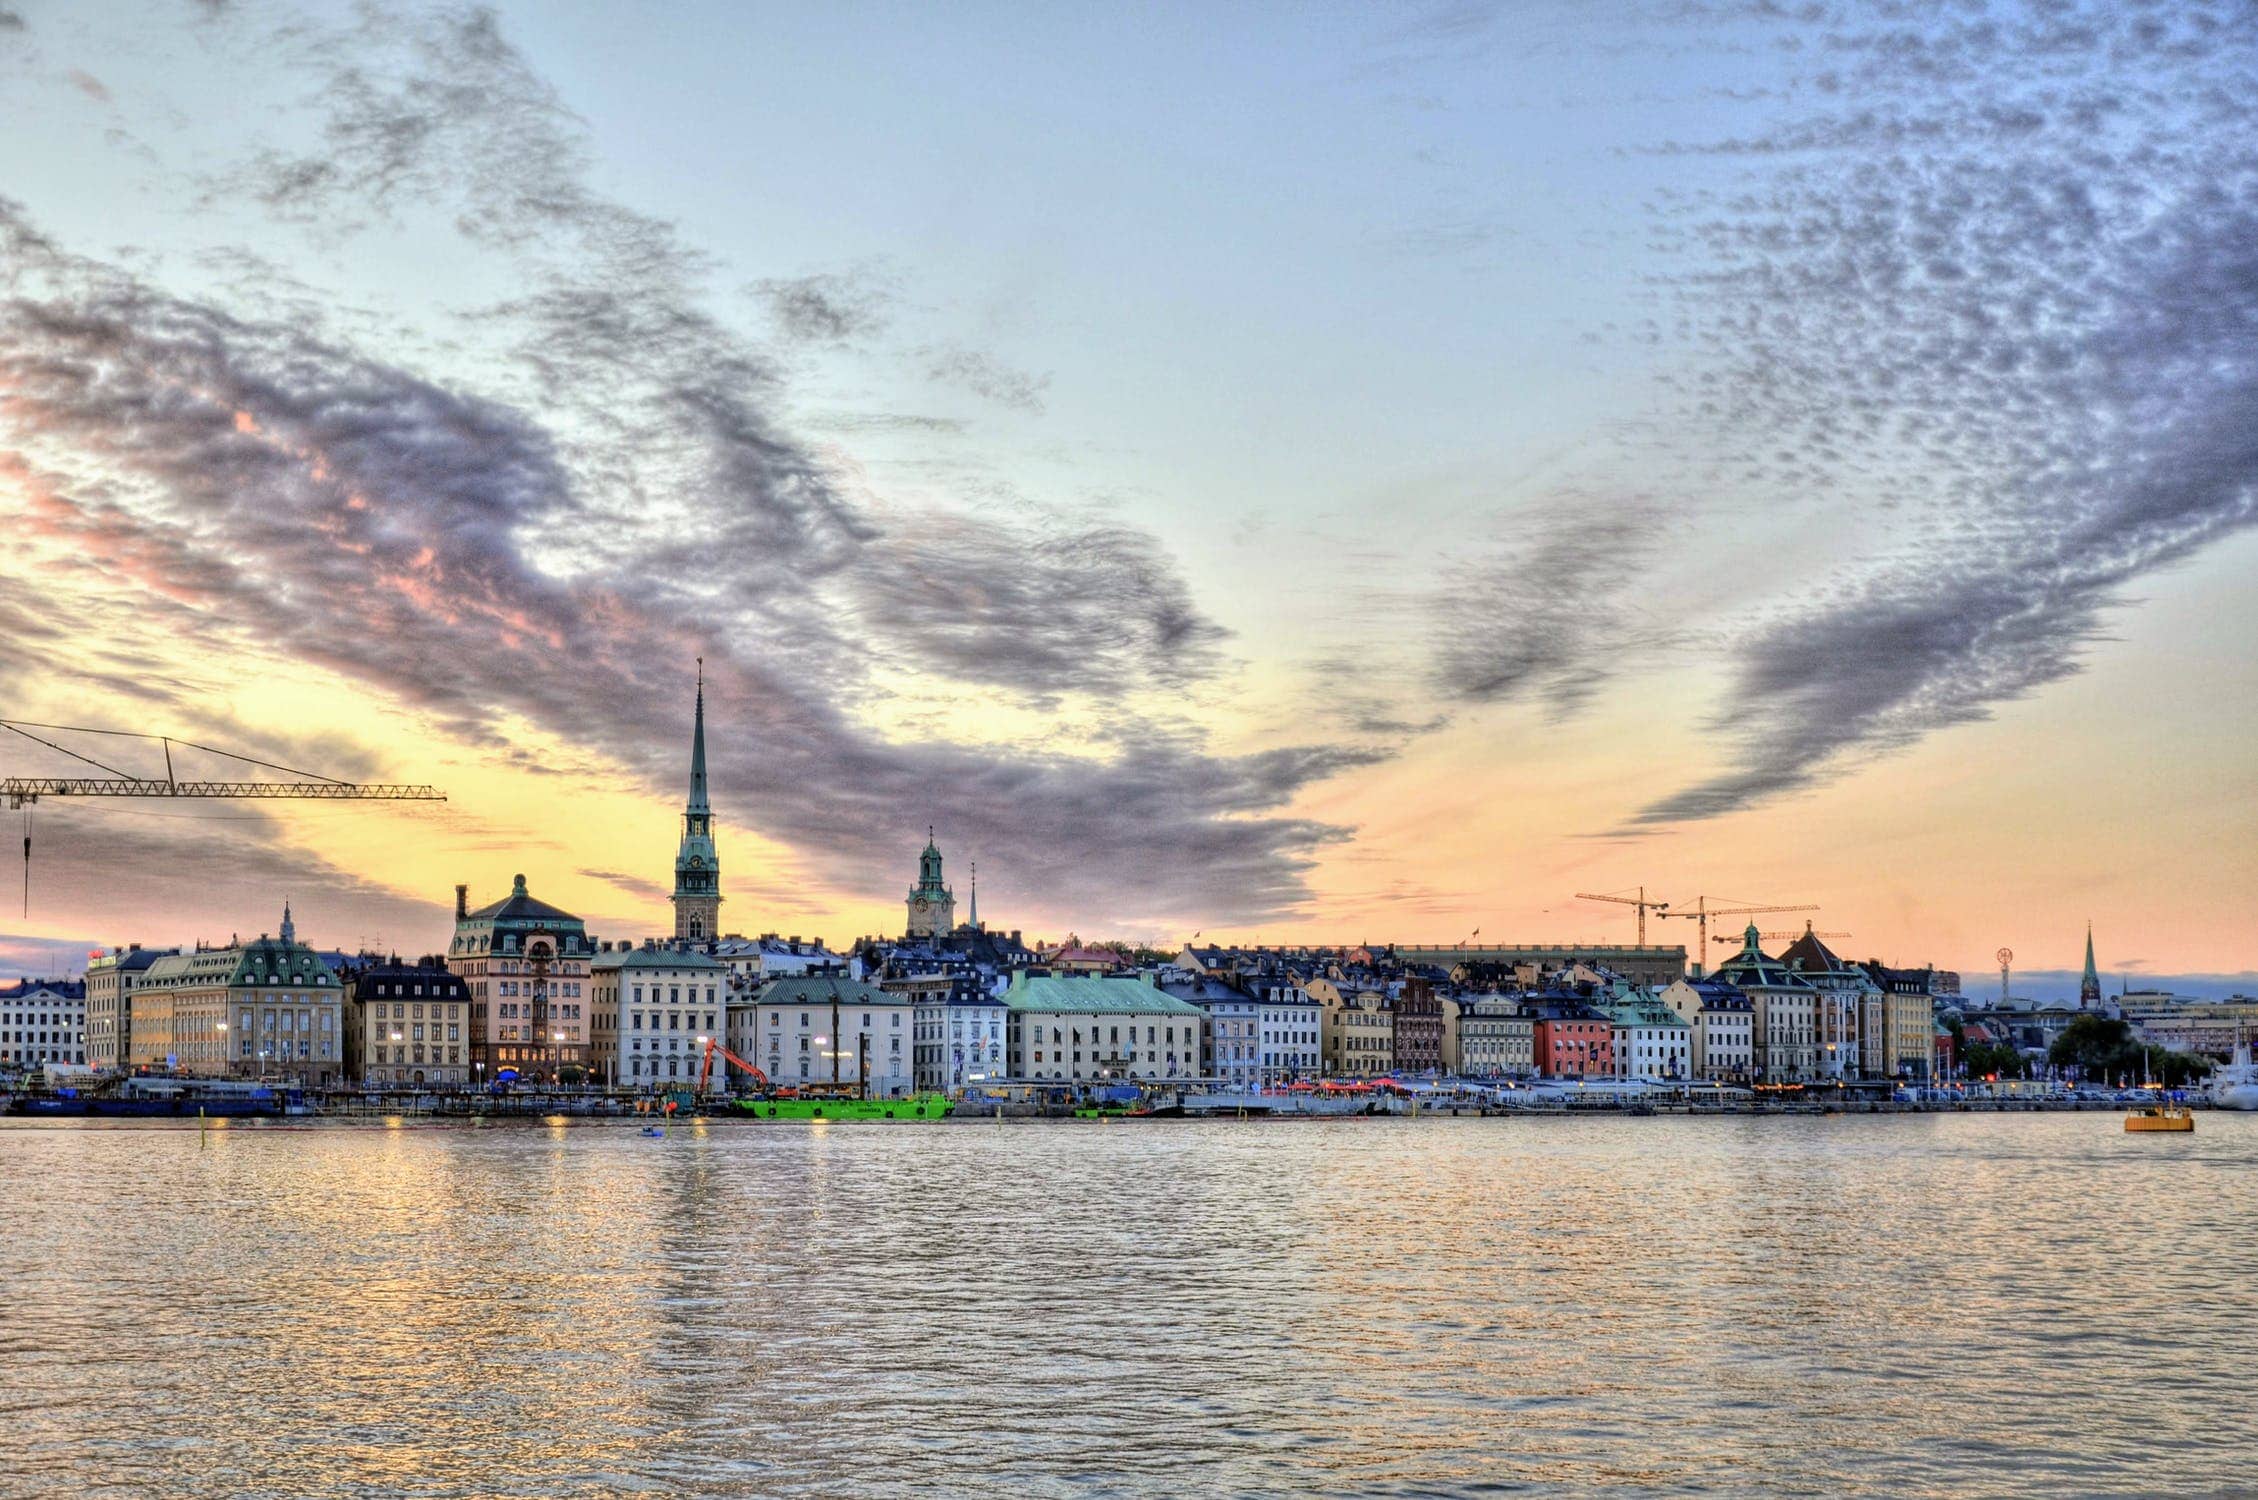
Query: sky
{"points": [[1277, 472]]}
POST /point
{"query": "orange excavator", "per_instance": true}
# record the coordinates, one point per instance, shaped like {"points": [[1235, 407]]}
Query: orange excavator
{"points": [[705, 1067]]}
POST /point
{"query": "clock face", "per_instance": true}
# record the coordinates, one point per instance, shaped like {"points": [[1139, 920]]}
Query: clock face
{"points": [[697, 862], [920, 903]]}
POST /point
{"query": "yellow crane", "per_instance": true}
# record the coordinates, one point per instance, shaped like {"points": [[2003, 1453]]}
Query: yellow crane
{"points": [[1781, 937], [1703, 911], [23, 791], [1640, 901]]}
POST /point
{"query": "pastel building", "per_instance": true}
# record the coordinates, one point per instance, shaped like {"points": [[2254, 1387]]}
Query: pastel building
{"points": [[651, 1010], [111, 979], [1570, 1038], [1360, 1028], [1496, 1039], [1649, 1040], [1849, 1004], [407, 1026], [268, 1009], [1721, 1022], [526, 965], [1784, 1013], [1087, 1028]]}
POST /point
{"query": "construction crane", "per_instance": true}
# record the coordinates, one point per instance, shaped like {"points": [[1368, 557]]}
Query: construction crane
{"points": [[1703, 911], [1640, 901], [23, 791], [1781, 937]]}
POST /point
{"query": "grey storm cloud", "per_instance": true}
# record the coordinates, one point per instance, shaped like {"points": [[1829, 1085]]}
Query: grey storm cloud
{"points": [[1546, 614], [277, 488], [1044, 613], [2001, 271]]}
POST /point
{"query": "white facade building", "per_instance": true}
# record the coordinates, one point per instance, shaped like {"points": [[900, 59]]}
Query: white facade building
{"points": [[43, 1021], [824, 1030], [1292, 1030], [1723, 1022], [653, 1010], [960, 1040], [1650, 1040]]}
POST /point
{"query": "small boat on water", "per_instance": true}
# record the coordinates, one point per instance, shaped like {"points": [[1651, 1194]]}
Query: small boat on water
{"points": [[2163, 1115]]}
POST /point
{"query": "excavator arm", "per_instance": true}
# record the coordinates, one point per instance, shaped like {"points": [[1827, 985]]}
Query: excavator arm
{"points": [[705, 1066]]}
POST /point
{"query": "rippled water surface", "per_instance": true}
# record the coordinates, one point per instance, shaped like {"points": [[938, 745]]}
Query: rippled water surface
{"points": [[1936, 1305]]}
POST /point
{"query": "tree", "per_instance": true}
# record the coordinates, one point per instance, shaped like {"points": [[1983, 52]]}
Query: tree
{"points": [[1986, 1059], [2108, 1050], [2097, 1046]]}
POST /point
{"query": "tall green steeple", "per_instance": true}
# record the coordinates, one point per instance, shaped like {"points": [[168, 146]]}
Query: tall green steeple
{"points": [[2089, 987], [697, 866]]}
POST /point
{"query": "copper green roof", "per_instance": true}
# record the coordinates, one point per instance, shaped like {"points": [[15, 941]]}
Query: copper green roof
{"points": [[1088, 993], [819, 989], [660, 958]]}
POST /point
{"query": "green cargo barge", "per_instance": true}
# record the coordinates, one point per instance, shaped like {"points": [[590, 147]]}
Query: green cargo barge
{"points": [[915, 1107]]}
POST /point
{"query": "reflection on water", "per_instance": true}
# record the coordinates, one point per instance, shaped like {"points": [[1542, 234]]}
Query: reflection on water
{"points": [[1934, 1304]]}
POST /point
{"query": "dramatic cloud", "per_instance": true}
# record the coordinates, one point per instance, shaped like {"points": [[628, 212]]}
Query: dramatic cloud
{"points": [[285, 491], [1096, 610], [2010, 262]]}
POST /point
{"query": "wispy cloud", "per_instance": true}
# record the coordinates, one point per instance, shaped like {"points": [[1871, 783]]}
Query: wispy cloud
{"points": [[827, 307], [2000, 272], [1551, 612], [985, 376]]}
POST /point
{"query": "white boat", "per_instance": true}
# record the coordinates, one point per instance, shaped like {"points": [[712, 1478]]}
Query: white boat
{"points": [[2235, 1086]]}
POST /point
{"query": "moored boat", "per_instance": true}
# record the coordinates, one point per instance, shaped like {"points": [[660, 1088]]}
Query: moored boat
{"points": [[2235, 1086]]}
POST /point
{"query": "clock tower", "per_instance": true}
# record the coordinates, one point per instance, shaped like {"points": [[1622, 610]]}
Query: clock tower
{"points": [[697, 868], [932, 905]]}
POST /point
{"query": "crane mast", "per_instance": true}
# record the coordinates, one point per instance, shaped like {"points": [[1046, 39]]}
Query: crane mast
{"points": [[1640, 901]]}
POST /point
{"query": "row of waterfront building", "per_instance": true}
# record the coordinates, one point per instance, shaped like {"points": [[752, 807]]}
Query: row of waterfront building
{"points": [[524, 991]]}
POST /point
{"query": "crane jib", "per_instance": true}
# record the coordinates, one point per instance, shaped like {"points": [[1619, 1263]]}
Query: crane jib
{"points": [[21, 789]]}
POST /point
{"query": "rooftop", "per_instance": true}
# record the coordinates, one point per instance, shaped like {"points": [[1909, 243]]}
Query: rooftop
{"points": [[1089, 993]]}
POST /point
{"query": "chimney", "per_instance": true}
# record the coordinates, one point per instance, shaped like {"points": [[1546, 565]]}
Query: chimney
{"points": [[462, 902]]}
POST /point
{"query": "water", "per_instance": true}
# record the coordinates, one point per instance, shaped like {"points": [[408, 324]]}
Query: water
{"points": [[1936, 1305]]}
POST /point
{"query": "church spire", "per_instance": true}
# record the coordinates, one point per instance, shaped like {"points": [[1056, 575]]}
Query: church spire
{"points": [[972, 914], [2089, 987], [698, 748], [697, 865]]}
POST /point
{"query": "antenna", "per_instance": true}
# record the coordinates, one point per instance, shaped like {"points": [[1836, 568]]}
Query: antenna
{"points": [[2006, 957]]}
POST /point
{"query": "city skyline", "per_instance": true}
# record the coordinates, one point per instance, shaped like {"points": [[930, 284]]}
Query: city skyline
{"points": [[1458, 464]]}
